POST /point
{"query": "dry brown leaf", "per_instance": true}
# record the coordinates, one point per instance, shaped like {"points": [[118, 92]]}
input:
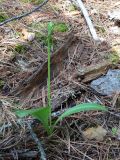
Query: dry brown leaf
{"points": [[97, 133]]}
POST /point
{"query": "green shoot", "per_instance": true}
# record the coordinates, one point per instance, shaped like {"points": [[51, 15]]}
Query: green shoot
{"points": [[44, 114]]}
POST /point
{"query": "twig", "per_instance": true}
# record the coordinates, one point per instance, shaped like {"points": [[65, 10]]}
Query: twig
{"points": [[37, 141], [115, 114], [24, 14], [88, 20], [25, 153]]}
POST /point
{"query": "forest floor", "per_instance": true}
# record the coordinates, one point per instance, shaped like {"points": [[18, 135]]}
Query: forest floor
{"points": [[20, 59]]}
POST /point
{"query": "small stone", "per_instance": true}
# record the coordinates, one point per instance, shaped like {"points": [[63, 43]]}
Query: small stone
{"points": [[114, 15], [30, 36], [115, 30], [108, 84]]}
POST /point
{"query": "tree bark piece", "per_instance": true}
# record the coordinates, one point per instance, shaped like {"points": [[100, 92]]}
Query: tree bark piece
{"points": [[92, 72], [39, 77]]}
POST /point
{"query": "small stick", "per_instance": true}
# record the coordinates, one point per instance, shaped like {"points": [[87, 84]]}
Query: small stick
{"points": [[24, 14], [21, 154], [42, 154], [88, 20], [37, 141]]}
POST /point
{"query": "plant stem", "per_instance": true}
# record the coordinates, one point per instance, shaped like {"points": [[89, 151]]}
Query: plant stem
{"points": [[50, 30], [48, 81]]}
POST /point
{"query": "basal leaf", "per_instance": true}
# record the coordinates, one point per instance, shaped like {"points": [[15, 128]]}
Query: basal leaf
{"points": [[80, 108], [22, 113], [42, 114]]}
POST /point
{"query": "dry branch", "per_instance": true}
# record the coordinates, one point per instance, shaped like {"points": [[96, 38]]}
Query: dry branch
{"points": [[88, 20], [42, 154], [24, 14], [20, 153]]}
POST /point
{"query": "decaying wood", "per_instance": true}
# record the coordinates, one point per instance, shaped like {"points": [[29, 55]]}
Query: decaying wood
{"points": [[39, 77], [75, 88], [92, 72]]}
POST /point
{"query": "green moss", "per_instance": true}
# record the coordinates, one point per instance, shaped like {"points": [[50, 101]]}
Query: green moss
{"points": [[114, 57], [1, 83], [21, 49], [41, 31], [41, 38], [33, 1], [72, 7], [101, 29], [56, 7], [3, 17], [44, 39], [40, 26], [60, 27]]}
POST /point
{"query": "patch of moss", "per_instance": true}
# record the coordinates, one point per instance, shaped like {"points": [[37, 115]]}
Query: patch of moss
{"points": [[60, 27], [41, 31], [114, 57], [3, 17], [101, 29], [1, 83], [21, 49], [41, 38], [33, 1], [72, 7], [56, 7], [44, 39], [40, 27]]}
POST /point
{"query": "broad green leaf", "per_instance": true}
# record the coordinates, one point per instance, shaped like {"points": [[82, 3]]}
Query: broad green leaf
{"points": [[22, 113], [80, 108], [42, 114]]}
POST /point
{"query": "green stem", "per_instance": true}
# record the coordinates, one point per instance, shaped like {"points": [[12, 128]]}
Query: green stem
{"points": [[50, 29], [48, 81]]}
